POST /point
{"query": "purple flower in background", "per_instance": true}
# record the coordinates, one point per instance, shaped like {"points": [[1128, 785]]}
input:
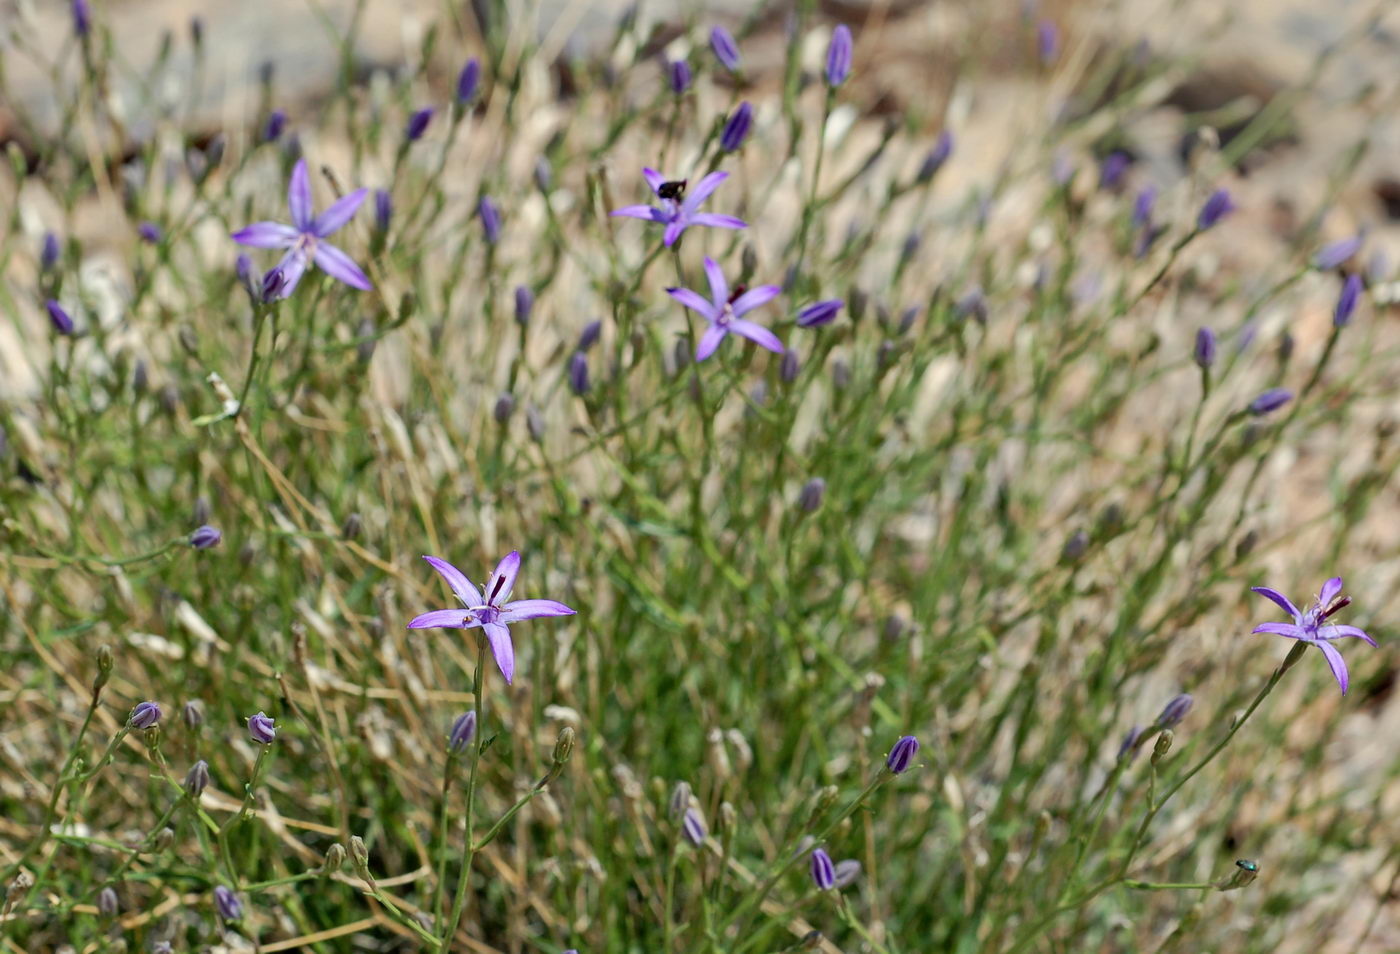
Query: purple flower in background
{"points": [[724, 312], [678, 72], [1174, 711], [736, 130], [468, 80], [1270, 400], [149, 232], [725, 49], [1346, 301], [1309, 625], [227, 904], [679, 211], [937, 156], [491, 612], [1336, 253], [1215, 208], [524, 304], [1061, 168], [49, 252], [60, 319], [383, 209], [1128, 747], [276, 122], [578, 375], [838, 56], [819, 313], [108, 904], [490, 219], [1204, 352], [590, 334], [823, 871], [205, 537], [82, 18], [902, 755], [145, 715], [1143, 205], [1112, 170], [693, 827], [846, 872], [1047, 41], [261, 728], [418, 124], [197, 779], [462, 732], [304, 239]]}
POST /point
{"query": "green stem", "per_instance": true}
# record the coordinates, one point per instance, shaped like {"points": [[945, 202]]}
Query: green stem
{"points": [[468, 849]]}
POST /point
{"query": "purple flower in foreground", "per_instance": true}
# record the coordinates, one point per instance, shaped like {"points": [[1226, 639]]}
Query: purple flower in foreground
{"points": [[1346, 301], [227, 904], [1175, 710], [678, 211], [736, 130], [261, 728], [1336, 253], [1311, 627], [1215, 208], [304, 239], [491, 612], [838, 56], [823, 871], [902, 755], [60, 319], [1270, 400], [819, 313], [145, 715], [725, 49], [725, 310], [468, 80]]}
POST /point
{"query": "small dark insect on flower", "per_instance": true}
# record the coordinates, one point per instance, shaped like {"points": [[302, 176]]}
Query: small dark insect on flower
{"points": [[145, 715], [674, 189]]}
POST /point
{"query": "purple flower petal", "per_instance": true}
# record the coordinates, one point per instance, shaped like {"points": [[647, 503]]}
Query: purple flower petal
{"points": [[533, 609], [293, 266], [1329, 592], [462, 587], [674, 228], [1339, 666], [1340, 631], [299, 197], [709, 341], [340, 212], [758, 334], [755, 297], [693, 301], [267, 235], [702, 190], [1272, 594], [502, 649], [503, 578], [718, 221], [338, 265], [654, 179], [641, 212], [719, 288], [1283, 629], [442, 619]]}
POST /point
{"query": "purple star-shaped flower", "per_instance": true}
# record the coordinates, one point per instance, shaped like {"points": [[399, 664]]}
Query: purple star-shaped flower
{"points": [[1310, 626], [678, 211], [304, 239], [491, 612], [724, 312]]}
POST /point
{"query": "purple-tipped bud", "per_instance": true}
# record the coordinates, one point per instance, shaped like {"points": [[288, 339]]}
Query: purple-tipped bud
{"points": [[590, 335], [524, 304], [823, 871], [737, 129], [725, 49], [197, 779], [272, 283], [468, 81], [227, 904], [149, 232], [1215, 208], [544, 175], [693, 827], [1336, 253], [82, 18], [60, 319], [462, 732], [1128, 747], [1047, 41], [1270, 400], [838, 56], [192, 714], [145, 715], [490, 219], [1111, 173], [1143, 205], [1174, 711], [810, 497], [846, 872], [383, 209], [48, 254], [205, 537], [276, 122], [1204, 352], [678, 72], [504, 408], [107, 903], [937, 156], [1346, 301], [902, 755], [819, 313], [261, 728], [418, 124], [578, 373], [972, 305], [789, 366]]}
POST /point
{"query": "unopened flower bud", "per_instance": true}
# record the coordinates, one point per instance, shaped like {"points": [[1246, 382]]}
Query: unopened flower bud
{"points": [[846, 872], [789, 366], [145, 715], [823, 871], [164, 840], [352, 527], [1175, 711], [462, 732], [693, 827], [197, 779], [504, 408], [810, 497], [680, 800], [717, 755], [227, 904], [359, 854], [728, 816], [261, 728], [335, 859], [1162, 746], [564, 745], [902, 755], [107, 903], [826, 797], [206, 537], [578, 373], [1245, 872]]}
